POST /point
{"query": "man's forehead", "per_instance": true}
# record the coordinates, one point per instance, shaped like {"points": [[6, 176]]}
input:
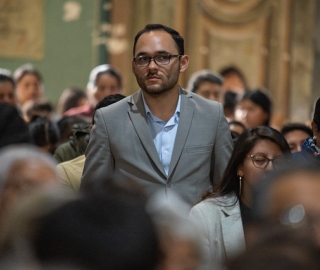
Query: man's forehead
{"points": [[156, 37], [152, 33]]}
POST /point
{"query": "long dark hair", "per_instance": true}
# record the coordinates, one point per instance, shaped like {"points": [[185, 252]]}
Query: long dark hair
{"points": [[229, 183]]}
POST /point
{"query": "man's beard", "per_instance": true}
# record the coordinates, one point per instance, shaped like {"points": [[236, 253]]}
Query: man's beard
{"points": [[158, 89]]}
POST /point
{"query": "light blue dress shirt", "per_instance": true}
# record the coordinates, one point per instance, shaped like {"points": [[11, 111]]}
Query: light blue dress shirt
{"points": [[163, 134]]}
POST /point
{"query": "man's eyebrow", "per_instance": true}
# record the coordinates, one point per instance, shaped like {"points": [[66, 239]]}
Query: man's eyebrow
{"points": [[163, 52], [158, 52], [141, 53]]}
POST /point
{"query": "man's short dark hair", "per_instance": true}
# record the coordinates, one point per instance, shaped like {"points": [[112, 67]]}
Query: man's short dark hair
{"points": [[159, 27], [13, 129], [296, 126], [106, 102], [206, 77], [7, 78], [230, 101], [229, 71]]}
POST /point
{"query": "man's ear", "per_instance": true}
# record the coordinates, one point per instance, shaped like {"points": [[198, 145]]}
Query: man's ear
{"points": [[184, 62], [133, 67]]}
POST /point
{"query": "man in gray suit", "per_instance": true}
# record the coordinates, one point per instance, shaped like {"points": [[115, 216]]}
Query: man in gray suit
{"points": [[161, 138]]}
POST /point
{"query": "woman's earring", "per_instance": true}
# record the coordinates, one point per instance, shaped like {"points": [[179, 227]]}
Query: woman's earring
{"points": [[240, 184]]}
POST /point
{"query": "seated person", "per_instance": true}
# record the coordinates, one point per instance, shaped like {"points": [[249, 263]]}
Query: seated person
{"points": [[44, 134], [226, 209], [234, 80], [207, 84], [76, 145], [254, 109], [103, 81], [296, 134], [33, 109], [65, 125], [70, 172], [29, 84], [13, 129], [71, 98], [7, 88]]}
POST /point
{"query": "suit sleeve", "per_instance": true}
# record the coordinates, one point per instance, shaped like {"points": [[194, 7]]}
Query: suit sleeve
{"points": [[222, 148], [99, 163]]}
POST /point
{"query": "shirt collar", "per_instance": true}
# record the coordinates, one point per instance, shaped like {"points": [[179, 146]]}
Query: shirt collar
{"points": [[148, 112]]}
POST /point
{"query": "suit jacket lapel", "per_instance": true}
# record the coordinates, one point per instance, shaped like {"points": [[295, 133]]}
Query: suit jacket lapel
{"points": [[139, 120], [232, 228], [186, 115]]}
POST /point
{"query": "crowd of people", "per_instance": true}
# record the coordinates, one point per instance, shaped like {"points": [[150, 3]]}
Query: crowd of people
{"points": [[165, 178]]}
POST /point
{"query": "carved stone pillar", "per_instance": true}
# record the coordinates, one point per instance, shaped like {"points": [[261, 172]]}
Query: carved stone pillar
{"points": [[302, 59]]}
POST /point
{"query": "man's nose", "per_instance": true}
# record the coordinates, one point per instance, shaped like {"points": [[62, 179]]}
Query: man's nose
{"points": [[153, 64]]}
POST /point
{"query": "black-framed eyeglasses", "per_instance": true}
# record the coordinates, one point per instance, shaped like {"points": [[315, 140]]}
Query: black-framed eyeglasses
{"points": [[161, 59], [261, 161]]}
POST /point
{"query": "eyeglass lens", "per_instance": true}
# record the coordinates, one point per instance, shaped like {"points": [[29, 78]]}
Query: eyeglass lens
{"points": [[261, 161], [158, 59]]}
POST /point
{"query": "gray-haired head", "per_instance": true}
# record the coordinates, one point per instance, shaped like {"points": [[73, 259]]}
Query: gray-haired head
{"points": [[16, 155]]}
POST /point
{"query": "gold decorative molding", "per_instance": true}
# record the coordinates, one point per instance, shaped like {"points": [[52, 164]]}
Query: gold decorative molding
{"points": [[236, 11]]}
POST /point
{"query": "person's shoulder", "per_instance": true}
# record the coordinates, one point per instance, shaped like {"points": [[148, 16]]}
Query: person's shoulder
{"points": [[65, 152], [78, 161], [206, 211], [210, 204], [217, 202], [84, 110], [72, 169]]}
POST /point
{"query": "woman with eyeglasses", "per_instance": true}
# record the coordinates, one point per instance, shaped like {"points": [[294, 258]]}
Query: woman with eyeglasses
{"points": [[226, 208]]}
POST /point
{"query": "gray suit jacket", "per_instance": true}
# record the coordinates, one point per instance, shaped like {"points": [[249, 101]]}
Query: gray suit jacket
{"points": [[221, 224], [121, 148]]}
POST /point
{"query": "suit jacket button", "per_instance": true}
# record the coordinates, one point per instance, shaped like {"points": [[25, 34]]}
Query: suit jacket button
{"points": [[168, 185]]}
